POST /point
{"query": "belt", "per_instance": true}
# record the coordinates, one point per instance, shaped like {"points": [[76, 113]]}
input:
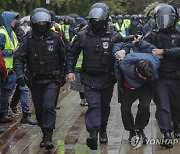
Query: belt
{"points": [[127, 85]]}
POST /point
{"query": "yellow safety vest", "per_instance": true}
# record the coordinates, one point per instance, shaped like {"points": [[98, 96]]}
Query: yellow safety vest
{"points": [[126, 23], [9, 45], [79, 61], [80, 58], [65, 30], [179, 22], [54, 29], [121, 29]]}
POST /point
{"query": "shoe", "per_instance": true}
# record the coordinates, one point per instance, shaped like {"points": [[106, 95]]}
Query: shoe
{"points": [[5, 118], [137, 141], [103, 137], [132, 133], [83, 102], [176, 131], [92, 140], [1, 130], [167, 140], [141, 132], [47, 139], [26, 119], [42, 144]]}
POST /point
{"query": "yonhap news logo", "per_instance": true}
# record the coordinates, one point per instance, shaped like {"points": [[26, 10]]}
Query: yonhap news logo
{"points": [[162, 141]]}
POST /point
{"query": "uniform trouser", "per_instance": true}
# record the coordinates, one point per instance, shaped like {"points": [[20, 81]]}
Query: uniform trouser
{"points": [[128, 97], [97, 115], [167, 99], [21, 93], [44, 98]]}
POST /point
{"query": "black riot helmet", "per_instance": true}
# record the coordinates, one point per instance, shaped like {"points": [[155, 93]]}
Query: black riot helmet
{"points": [[53, 15], [40, 15], [99, 11], [98, 18], [166, 17]]}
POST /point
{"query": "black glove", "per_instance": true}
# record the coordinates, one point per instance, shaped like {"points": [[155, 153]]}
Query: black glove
{"points": [[21, 80]]}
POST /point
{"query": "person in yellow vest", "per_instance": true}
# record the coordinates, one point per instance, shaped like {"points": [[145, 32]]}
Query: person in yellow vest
{"points": [[77, 85], [8, 45], [126, 23], [66, 33], [119, 25], [54, 25]]}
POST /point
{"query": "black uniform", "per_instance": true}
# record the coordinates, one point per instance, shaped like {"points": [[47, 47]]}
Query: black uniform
{"points": [[43, 52], [44, 57], [167, 87], [97, 74]]}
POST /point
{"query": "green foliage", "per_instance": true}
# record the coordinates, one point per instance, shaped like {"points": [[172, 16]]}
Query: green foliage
{"points": [[80, 7]]}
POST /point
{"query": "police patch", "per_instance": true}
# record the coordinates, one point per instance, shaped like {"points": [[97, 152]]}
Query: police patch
{"points": [[105, 45], [50, 48]]}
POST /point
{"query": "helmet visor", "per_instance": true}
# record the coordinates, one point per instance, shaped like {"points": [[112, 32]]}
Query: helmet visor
{"points": [[165, 21], [97, 13], [41, 16]]}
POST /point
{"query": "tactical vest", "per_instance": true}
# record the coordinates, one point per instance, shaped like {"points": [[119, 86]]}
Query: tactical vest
{"points": [[170, 66], [43, 58], [9, 45], [97, 53]]}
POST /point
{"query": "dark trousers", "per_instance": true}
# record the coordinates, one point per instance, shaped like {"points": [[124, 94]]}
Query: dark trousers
{"points": [[57, 96], [44, 98], [15, 97], [128, 97], [97, 115], [167, 100], [81, 94]]}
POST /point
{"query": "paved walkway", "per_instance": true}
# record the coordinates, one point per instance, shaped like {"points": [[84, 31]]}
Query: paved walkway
{"points": [[70, 134]]}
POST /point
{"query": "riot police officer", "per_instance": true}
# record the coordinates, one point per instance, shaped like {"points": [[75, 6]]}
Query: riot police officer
{"points": [[43, 52], [167, 87], [97, 74]]}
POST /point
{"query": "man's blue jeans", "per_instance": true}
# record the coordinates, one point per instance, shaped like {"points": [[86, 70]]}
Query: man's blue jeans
{"points": [[24, 98]]}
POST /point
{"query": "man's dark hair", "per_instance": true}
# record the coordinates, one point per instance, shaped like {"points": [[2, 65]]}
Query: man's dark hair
{"points": [[145, 69]]}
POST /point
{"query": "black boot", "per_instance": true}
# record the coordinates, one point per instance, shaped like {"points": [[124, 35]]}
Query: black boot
{"points": [[92, 140], [4, 118], [176, 131], [48, 144], [42, 144], [26, 119], [103, 136], [167, 140]]}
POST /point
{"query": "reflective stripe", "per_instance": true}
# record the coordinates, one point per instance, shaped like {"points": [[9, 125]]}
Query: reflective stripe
{"points": [[9, 45], [65, 30], [79, 61], [126, 23]]}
